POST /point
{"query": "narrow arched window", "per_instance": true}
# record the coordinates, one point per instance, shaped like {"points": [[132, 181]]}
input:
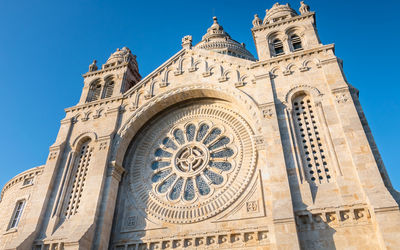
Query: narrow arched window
{"points": [[296, 42], [94, 92], [19, 207], [278, 47], [78, 178], [108, 91], [311, 146]]}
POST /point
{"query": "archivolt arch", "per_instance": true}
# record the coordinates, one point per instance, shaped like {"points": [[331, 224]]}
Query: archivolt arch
{"points": [[82, 138], [301, 89], [241, 102]]}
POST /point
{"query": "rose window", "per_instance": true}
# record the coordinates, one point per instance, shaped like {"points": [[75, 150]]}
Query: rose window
{"points": [[191, 163]]}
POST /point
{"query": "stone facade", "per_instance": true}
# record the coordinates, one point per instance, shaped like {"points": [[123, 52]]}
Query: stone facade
{"points": [[213, 149]]}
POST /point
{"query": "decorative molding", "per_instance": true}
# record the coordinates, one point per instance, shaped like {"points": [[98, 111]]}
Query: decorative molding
{"points": [[283, 22], [178, 72], [239, 84], [227, 239], [259, 141], [304, 68], [267, 109], [21, 177], [163, 84], [312, 90], [342, 95], [115, 171], [252, 206], [287, 72], [207, 73], [293, 56], [192, 69], [53, 155], [103, 145], [223, 79], [332, 217]]}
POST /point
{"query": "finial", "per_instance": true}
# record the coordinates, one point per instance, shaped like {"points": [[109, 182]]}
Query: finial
{"points": [[215, 19], [187, 42], [304, 8], [256, 21], [93, 66]]}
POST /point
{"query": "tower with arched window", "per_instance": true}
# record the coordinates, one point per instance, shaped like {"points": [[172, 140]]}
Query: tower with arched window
{"points": [[214, 149]]}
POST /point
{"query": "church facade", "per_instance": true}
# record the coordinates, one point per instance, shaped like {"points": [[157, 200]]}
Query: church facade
{"points": [[214, 149]]}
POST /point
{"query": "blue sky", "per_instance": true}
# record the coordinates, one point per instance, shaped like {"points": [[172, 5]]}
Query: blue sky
{"points": [[45, 47]]}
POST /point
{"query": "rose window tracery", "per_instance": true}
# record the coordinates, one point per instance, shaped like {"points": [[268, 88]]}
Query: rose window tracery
{"points": [[191, 163]]}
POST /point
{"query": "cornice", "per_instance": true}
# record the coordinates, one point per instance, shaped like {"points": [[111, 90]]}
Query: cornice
{"points": [[101, 71], [282, 22], [155, 72], [18, 178], [292, 56], [94, 103]]}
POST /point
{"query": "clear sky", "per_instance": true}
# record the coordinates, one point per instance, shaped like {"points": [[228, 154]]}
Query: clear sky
{"points": [[45, 46]]}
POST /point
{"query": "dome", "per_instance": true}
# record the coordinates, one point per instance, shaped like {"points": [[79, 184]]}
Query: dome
{"points": [[217, 39], [119, 56], [279, 11]]}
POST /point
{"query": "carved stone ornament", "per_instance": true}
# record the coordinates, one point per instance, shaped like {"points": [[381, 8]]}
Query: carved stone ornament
{"points": [[268, 113], [187, 162], [304, 8], [341, 95], [256, 21], [187, 41], [93, 66]]}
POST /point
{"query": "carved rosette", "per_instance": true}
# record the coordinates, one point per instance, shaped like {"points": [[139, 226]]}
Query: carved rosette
{"points": [[192, 163]]}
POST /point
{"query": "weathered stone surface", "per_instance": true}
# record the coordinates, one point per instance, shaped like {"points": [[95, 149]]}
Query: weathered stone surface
{"points": [[212, 150]]}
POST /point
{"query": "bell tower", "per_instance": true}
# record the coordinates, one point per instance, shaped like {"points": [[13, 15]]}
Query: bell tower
{"points": [[116, 76], [283, 31]]}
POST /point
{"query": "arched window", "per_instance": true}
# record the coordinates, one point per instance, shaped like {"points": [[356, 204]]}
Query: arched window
{"points": [[108, 91], [77, 181], [94, 91], [19, 207], [278, 47], [311, 147], [296, 42]]}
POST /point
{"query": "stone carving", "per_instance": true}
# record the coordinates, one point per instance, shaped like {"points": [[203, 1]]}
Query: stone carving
{"points": [[259, 141], [191, 157], [341, 98], [267, 110], [103, 145], [187, 42], [341, 95], [225, 239], [252, 206], [53, 155], [93, 66], [132, 221], [335, 217], [304, 8], [256, 21], [193, 160]]}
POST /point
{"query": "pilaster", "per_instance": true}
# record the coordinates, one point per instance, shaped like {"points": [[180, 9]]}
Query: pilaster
{"points": [[274, 174]]}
